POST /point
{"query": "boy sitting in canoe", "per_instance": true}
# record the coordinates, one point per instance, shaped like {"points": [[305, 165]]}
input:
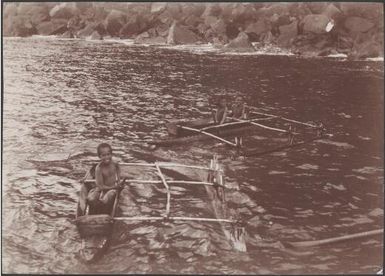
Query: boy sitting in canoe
{"points": [[107, 177], [238, 109], [220, 113]]}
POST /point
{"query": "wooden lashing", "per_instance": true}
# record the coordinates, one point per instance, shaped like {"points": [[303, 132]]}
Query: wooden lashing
{"points": [[320, 129], [216, 177], [291, 131]]}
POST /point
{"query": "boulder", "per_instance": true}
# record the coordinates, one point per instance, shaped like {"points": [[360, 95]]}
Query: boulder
{"points": [[53, 27], [174, 9], [181, 35], [75, 24], [315, 23], [287, 34], [130, 29], [362, 9], [10, 9], [18, 26], [158, 7], [64, 10], [89, 29], [332, 12], [240, 43], [114, 21], [366, 49], [219, 27], [356, 24], [36, 12], [258, 27], [146, 39], [95, 36], [162, 30], [95, 14], [192, 21], [67, 34], [243, 12], [275, 8], [212, 9], [317, 7], [195, 9]]}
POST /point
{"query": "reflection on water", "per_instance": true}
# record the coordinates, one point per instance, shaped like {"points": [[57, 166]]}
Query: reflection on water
{"points": [[62, 98]]}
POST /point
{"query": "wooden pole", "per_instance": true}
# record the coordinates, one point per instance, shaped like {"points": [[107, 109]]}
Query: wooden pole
{"points": [[169, 164], [167, 188], [266, 127], [208, 134], [282, 118], [173, 218], [235, 123], [337, 239]]}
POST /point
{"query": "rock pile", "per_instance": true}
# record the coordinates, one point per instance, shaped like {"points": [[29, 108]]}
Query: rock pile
{"points": [[313, 28]]}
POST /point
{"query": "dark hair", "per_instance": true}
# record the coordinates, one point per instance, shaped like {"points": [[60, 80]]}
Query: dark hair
{"points": [[103, 145]]}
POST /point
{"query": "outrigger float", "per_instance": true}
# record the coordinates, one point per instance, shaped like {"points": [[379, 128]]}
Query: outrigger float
{"points": [[96, 226], [182, 132]]}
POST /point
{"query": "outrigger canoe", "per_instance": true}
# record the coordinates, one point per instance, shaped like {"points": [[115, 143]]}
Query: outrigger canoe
{"points": [[95, 226], [181, 132]]}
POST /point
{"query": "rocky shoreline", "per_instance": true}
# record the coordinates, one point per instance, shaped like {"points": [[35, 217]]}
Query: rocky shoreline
{"points": [[305, 29]]}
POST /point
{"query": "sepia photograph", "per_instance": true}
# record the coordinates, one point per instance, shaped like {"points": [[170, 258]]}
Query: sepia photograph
{"points": [[192, 138]]}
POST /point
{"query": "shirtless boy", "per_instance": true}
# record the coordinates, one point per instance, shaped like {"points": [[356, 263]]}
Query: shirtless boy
{"points": [[238, 109], [221, 113], [107, 177]]}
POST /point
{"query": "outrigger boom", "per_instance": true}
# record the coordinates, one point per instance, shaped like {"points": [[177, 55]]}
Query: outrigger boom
{"points": [[214, 184]]}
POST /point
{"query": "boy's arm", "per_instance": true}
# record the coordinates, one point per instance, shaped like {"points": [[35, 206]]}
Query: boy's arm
{"points": [[224, 116]]}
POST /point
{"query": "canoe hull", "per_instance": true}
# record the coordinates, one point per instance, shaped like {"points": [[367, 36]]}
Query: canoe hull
{"points": [[234, 130], [95, 225]]}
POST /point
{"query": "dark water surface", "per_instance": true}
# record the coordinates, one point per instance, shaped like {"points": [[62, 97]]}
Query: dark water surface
{"points": [[63, 97]]}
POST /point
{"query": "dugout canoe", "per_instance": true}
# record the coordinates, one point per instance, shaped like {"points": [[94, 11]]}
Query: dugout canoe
{"points": [[95, 224], [177, 135]]}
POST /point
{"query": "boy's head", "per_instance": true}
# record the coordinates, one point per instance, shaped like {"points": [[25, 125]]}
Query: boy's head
{"points": [[105, 152], [222, 102], [239, 100]]}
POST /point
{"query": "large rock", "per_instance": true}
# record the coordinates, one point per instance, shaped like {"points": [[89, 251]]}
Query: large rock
{"points": [[10, 9], [95, 14], [181, 35], [64, 10], [366, 49], [67, 34], [131, 28], [145, 38], [287, 34], [219, 26], [240, 43], [158, 7], [89, 29], [315, 23], [242, 12], [258, 27], [192, 20], [212, 9], [18, 26], [95, 36], [317, 7], [357, 24], [366, 10], [195, 9], [332, 12], [114, 21], [53, 27], [36, 12]]}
